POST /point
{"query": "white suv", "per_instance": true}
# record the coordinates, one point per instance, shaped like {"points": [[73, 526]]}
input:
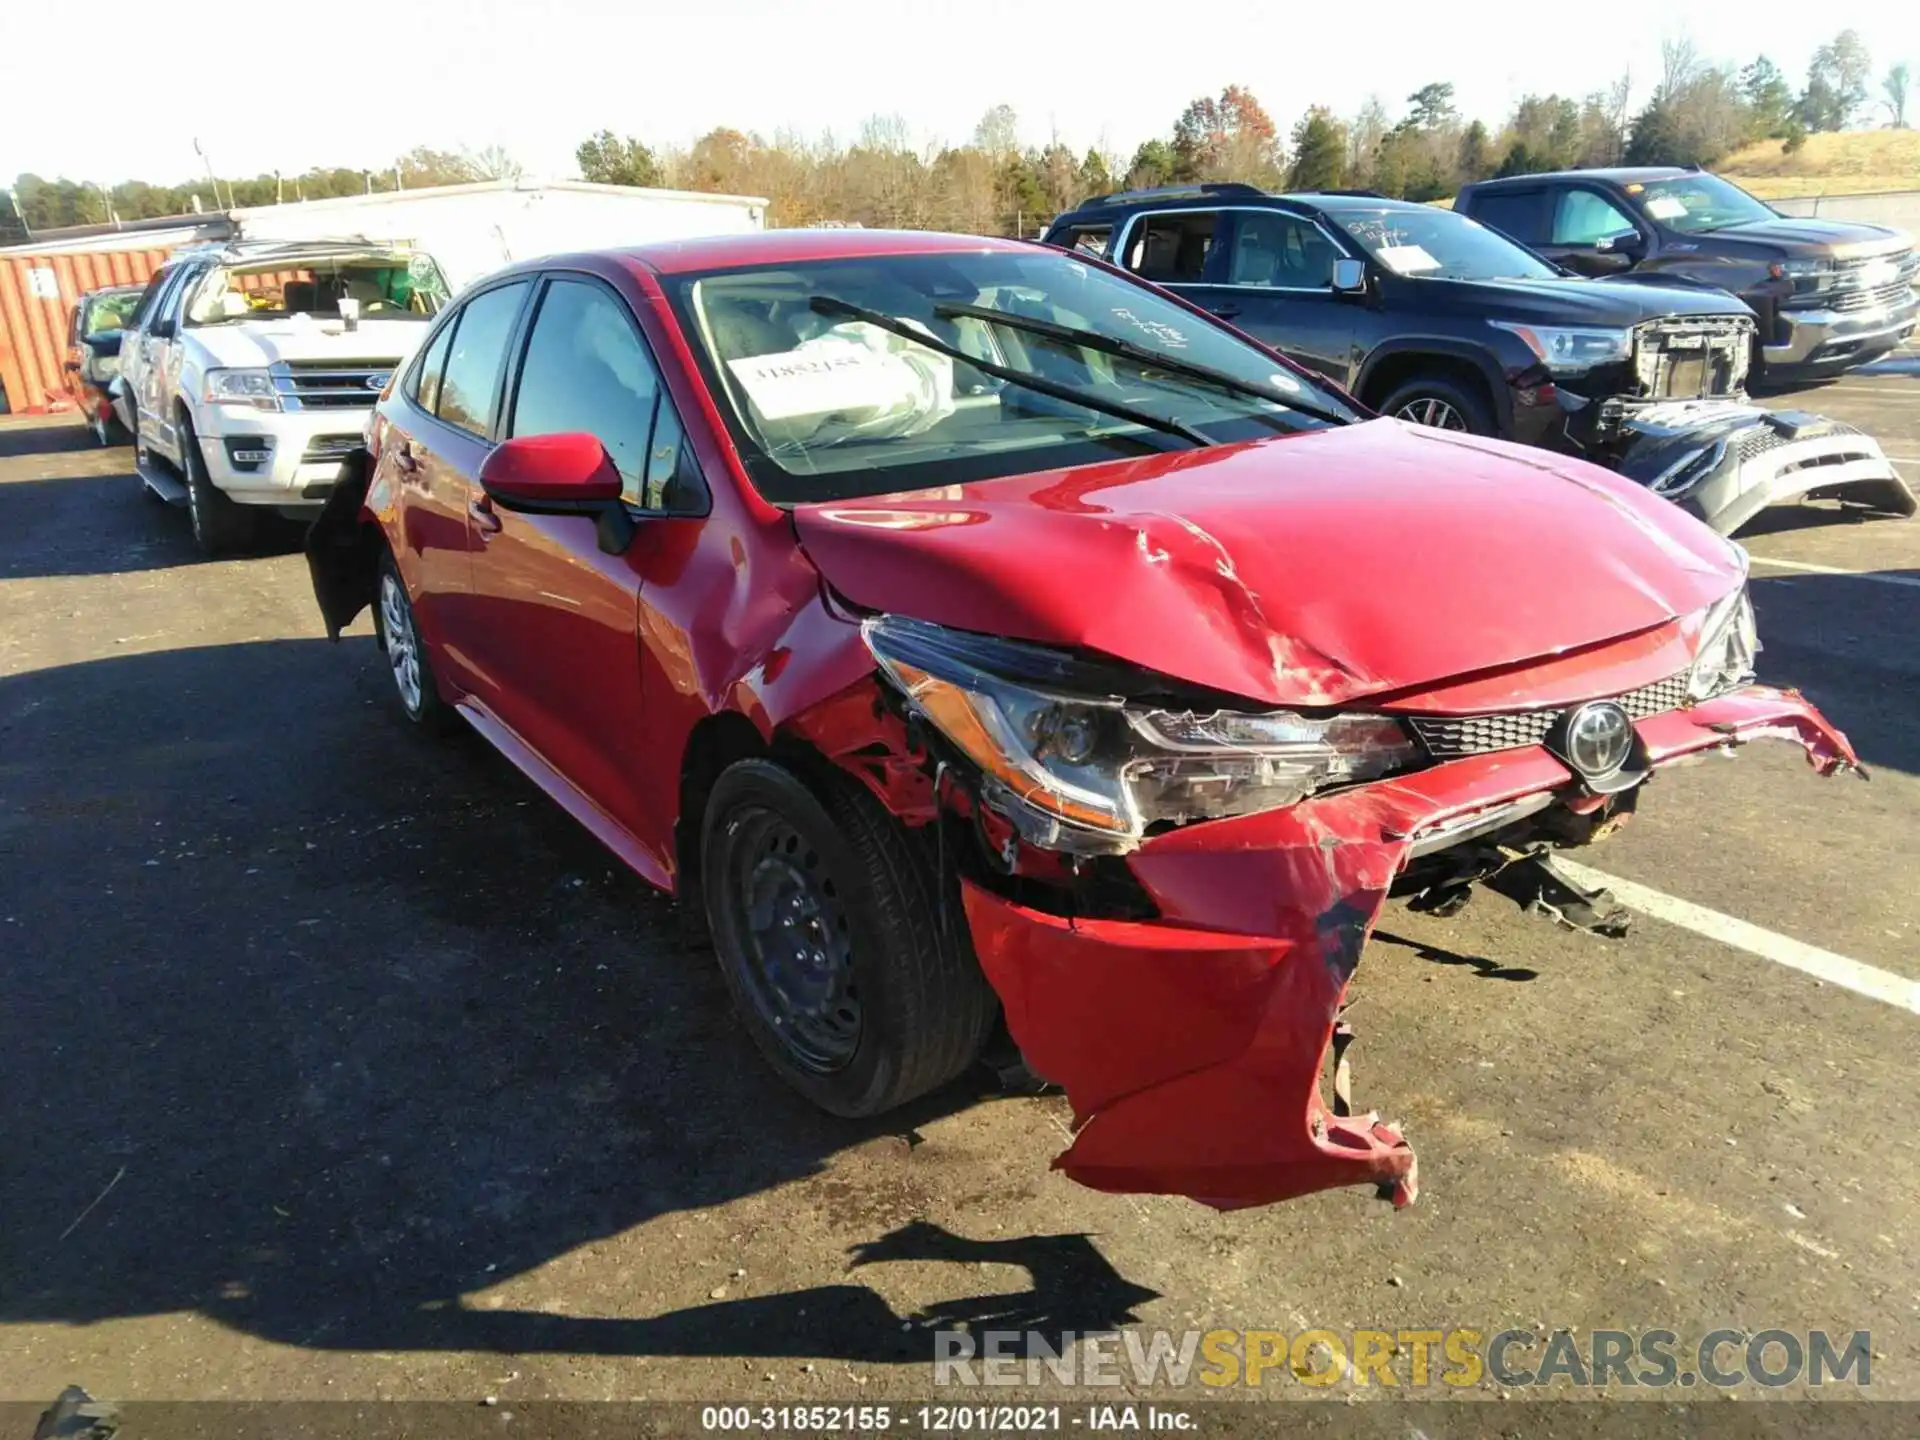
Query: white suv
{"points": [[249, 371]]}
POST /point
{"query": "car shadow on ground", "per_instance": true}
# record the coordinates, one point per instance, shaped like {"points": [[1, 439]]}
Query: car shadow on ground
{"points": [[1811, 515], [70, 507], [321, 1030], [1828, 636]]}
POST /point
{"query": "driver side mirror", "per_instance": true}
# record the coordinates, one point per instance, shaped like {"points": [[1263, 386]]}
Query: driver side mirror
{"points": [[162, 329], [103, 342], [1349, 277], [567, 474], [1629, 243]]}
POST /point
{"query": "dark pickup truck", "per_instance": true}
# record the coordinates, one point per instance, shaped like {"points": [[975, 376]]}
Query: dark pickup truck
{"points": [[1433, 318], [1829, 294], [1426, 316]]}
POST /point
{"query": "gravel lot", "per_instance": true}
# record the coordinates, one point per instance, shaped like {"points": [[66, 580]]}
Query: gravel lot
{"points": [[339, 1064]]}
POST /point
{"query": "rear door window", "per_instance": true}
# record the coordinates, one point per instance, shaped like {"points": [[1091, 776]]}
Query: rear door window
{"points": [[1171, 249], [423, 385], [470, 381], [1517, 214], [1088, 240]]}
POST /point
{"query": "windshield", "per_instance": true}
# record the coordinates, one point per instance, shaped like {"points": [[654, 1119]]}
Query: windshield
{"points": [[386, 287], [827, 406], [1692, 204], [1437, 244]]}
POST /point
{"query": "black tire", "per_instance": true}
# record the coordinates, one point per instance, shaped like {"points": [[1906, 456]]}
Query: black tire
{"points": [[899, 958], [220, 527], [398, 636], [1466, 411]]}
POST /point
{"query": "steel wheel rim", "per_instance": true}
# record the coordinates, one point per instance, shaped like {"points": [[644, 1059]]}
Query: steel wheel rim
{"points": [[1431, 411], [794, 944], [403, 647]]}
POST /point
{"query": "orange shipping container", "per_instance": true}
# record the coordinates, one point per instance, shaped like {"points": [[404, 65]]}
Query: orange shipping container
{"points": [[37, 297]]}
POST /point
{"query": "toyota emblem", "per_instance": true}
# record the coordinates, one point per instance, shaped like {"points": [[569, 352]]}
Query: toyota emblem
{"points": [[1598, 739]]}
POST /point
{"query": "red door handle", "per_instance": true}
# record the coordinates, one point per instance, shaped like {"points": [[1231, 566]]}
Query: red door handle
{"points": [[484, 520]]}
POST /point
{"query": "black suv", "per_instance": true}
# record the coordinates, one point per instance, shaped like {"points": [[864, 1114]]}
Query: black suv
{"points": [[1424, 314], [1830, 294]]}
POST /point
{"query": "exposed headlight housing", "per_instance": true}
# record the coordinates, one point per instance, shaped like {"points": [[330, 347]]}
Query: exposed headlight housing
{"points": [[1729, 645], [1571, 349], [1080, 766], [241, 387]]}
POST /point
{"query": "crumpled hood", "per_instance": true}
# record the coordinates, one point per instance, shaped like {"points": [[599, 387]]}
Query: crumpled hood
{"points": [[262, 342], [1309, 570]]}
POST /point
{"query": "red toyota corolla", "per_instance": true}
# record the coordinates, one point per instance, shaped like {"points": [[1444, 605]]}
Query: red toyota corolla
{"points": [[959, 627]]}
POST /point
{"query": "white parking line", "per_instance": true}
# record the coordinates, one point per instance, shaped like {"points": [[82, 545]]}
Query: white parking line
{"points": [[1910, 580], [1867, 980]]}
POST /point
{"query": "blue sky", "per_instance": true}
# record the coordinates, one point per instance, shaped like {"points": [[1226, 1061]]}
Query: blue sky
{"points": [[268, 89]]}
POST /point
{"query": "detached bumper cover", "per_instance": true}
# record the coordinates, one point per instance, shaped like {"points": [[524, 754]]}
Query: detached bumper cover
{"points": [[1192, 1046], [1725, 462]]}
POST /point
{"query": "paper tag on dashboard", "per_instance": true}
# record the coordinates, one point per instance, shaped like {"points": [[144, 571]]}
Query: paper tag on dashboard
{"points": [[789, 385], [1406, 259], [1665, 207]]}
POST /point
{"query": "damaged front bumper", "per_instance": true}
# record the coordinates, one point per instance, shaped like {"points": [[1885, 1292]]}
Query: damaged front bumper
{"points": [[1192, 1045], [1726, 461]]}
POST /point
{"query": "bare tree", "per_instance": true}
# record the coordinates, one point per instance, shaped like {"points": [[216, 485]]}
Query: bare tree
{"points": [[998, 133], [1364, 134], [1680, 64], [493, 162]]}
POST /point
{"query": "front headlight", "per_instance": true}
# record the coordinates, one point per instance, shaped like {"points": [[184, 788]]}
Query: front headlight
{"points": [[1570, 349], [1729, 645], [241, 387], [1079, 767]]}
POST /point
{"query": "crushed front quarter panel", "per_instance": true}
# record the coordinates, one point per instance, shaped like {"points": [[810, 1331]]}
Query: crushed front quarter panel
{"points": [[1192, 1046]]}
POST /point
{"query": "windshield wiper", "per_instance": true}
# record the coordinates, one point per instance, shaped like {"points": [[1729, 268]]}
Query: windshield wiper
{"points": [[1126, 349], [832, 305]]}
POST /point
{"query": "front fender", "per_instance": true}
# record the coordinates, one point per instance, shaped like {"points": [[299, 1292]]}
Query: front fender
{"points": [[1444, 347]]}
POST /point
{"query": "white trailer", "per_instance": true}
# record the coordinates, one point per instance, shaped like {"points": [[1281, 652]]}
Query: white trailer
{"points": [[474, 229]]}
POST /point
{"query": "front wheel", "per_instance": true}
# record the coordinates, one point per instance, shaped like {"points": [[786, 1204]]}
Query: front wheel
{"points": [[852, 977], [1443, 404], [220, 526]]}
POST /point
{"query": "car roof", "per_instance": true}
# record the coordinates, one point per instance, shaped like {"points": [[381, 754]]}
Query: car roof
{"points": [[1128, 202], [1619, 174], [787, 247]]}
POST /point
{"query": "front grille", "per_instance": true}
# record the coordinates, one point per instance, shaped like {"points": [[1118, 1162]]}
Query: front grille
{"points": [[1846, 288], [1881, 298], [330, 384], [323, 448], [1448, 737], [1691, 359], [1758, 441]]}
